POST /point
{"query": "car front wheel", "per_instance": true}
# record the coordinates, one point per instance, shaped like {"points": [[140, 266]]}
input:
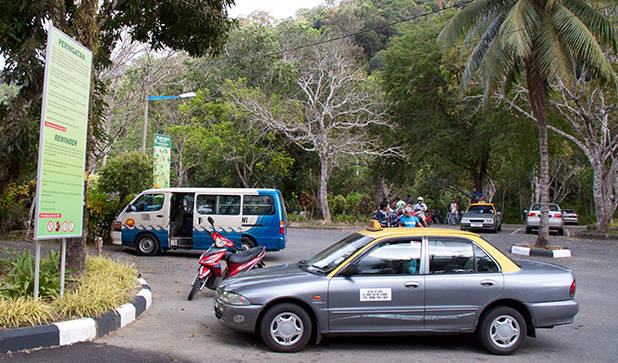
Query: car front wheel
{"points": [[502, 330], [147, 245], [286, 328]]}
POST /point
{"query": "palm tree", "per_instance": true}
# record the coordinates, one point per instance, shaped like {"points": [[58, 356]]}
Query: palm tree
{"points": [[535, 41]]}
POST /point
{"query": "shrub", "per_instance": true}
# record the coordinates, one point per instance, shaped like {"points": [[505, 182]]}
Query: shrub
{"points": [[24, 311], [20, 278], [339, 204], [104, 286], [15, 202], [127, 173]]}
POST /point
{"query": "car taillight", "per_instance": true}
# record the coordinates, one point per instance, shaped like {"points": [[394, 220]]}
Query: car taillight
{"points": [[572, 290], [531, 214], [282, 227], [117, 226], [557, 215]]}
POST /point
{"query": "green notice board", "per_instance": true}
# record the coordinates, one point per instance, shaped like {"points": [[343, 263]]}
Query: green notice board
{"points": [[162, 149], [62, 141]]}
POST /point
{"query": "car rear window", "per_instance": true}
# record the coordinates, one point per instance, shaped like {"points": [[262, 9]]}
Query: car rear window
{"points": [[552, 207], [480, 209]]}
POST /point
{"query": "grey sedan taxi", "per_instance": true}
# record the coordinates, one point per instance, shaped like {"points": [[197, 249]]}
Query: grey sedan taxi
{"points": [[400, 281]]}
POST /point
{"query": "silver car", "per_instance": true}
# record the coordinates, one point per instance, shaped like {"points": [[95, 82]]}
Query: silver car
{"points": [[400, 281], [533, 218]]}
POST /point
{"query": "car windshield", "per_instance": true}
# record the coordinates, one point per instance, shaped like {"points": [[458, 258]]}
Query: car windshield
{"points": [[568, 211], [480, 209], [552, 207], [332, 256]]}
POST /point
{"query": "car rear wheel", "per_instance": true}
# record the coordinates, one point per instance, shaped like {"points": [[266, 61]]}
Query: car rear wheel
{"points": [[286, 328], [502, 330], [528, 230]]}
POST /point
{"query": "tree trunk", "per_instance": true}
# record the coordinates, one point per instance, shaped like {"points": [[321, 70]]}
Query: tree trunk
{"points": [[324, 176], [537, 98], [86, 33], [603, 188]]}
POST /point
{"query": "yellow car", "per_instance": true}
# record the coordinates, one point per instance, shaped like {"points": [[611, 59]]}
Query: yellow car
{"points": [[481, 216]]}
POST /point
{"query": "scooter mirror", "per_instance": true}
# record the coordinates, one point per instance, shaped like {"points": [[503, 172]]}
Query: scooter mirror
{"points": [[211, 221]]}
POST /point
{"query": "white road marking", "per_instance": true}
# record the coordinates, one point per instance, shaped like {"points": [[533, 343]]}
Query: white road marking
{"points": [[517, 230]]}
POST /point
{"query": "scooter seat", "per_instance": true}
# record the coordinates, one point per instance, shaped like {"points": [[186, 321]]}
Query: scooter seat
{"points": [[241, 257]]}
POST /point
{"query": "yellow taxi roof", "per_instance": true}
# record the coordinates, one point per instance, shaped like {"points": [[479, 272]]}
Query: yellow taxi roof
{"points": [[374, 230], [481, 203], [405, 231]]}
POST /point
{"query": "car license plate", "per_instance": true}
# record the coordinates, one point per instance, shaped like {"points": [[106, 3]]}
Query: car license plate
{"points": [[476, 225]]}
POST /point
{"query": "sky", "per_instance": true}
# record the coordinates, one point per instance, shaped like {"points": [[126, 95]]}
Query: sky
{"points": [[277, 8]]}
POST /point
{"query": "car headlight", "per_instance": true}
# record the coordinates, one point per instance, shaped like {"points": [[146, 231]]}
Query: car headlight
{"points": [[489, 220], [465, 220], [233, 298]]}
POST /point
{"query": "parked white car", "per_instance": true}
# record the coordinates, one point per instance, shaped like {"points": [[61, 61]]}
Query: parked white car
{"points": [[569, 216], [533, 219]]}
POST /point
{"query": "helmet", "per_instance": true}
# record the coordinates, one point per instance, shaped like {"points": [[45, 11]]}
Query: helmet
{"points": [[401, 204], [420, 199]]}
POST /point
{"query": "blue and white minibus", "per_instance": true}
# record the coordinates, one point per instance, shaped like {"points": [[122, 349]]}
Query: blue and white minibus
{"points": [[157, 220]]}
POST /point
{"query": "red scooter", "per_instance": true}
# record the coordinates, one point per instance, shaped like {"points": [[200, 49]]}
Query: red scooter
{"points": [[211, 273]]}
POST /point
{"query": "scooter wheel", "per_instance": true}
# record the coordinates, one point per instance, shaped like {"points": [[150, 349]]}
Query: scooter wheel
{"points": [[195, 288]]}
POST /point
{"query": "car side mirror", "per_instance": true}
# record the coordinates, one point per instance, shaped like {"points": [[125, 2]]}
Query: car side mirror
{"points": [[350, 270]]}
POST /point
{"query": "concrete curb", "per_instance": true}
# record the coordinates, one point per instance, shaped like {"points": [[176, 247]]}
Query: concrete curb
{"points": [[74, 331], [527, 251]]}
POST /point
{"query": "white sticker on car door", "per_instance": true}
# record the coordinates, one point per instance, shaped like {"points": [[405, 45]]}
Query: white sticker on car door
{"points": [[384, 294]]}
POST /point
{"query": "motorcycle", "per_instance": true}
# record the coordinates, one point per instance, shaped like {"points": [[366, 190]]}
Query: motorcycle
{"points": [[210, 273]]}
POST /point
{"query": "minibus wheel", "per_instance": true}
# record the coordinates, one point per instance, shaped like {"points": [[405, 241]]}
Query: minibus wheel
{"points": [[246, 243], [146, 245]]}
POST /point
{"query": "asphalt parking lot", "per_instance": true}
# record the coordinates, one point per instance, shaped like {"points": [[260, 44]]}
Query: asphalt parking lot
{"points": [[175, 329]]}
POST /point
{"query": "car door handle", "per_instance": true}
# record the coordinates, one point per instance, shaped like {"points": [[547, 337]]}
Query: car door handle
{"points": [[488, 283], [413, 284], [199, 220], [159, 215]]}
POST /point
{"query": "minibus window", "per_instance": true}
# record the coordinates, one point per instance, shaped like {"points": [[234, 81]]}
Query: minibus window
{"points": [[258, 205], [218, 204], [148, 203]]}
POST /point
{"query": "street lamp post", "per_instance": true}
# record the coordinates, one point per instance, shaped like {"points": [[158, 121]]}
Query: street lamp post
{"points": [[153, 98]]}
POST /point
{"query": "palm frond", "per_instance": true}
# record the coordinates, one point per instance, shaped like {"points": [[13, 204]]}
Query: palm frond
{"points": [[552, 59], [498, 64], [600, 26], [460, 24], [581, 42], [519, 27], [478, 54]]}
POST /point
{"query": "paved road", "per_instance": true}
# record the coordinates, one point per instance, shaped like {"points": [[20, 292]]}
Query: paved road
{"points": [[177, 329]]}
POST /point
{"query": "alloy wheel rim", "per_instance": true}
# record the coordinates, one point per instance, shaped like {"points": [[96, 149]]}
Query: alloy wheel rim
{"points": [[286, 329], [146, 245], [504, 331]]}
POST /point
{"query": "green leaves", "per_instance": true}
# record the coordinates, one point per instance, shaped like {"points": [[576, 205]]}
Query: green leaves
{"points": [[20, 278]]}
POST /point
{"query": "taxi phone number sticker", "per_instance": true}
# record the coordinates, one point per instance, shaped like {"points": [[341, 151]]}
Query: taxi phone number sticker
{"points": [[384, 294]]}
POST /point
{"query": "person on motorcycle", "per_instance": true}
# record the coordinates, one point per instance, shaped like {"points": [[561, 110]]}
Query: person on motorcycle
{"points": [[382, 214], [397, 214], [409, 220], [419, 209]]}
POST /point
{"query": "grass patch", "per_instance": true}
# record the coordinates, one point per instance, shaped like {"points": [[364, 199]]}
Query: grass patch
{"points": [[105, 285]]}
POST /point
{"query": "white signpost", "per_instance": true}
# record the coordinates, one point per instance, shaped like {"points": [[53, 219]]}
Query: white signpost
{"points": [[62, 145]]}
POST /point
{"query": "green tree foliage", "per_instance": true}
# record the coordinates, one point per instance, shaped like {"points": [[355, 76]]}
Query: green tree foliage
{"points": [[222, 133], [125, 174]]}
